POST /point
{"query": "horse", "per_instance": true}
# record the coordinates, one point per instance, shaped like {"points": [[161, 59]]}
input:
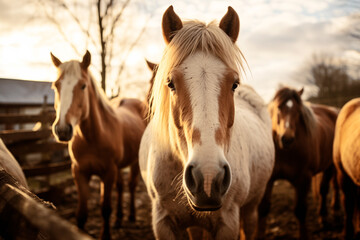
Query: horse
{"points": [[347, 162], [303, 134], [11, 166], [205, 156], [102, 138]]}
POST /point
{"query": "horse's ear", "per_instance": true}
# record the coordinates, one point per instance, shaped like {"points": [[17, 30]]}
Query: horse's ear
{"points": [[86, 60], [55, 60], [230, 24], [151, 65], [301, 91], [170, 24]]}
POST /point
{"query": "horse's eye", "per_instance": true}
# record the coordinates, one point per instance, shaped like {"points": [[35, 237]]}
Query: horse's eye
{"points": [[171, 84], [83, 86], [234, 86]]}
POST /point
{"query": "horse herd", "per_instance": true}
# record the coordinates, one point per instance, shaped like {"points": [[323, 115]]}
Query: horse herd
{"points": [[208, 148]]}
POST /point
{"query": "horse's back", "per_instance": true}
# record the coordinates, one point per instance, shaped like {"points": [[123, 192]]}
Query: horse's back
{"points": [[10, 165], [249, 98], [253, 140], [132, 113], [347, 139]]}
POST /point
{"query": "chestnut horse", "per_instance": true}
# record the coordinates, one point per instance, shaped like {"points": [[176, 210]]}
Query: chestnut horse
{"points": [[102, 138], [347, 162], [303, 134], [205, 156]]}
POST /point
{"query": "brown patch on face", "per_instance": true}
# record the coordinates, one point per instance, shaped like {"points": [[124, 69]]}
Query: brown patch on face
{"points": [[182, 111], [196, 137], [180, 101], [226, 108]]}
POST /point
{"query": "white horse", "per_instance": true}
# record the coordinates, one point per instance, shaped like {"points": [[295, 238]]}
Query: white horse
{"points": [[11, 166], [205, 157]]}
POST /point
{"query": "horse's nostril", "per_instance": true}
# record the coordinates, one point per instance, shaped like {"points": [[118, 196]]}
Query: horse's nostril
{"points": [[226, 179], [189, 178], [287, 140], [70, 129], [56, 128]]}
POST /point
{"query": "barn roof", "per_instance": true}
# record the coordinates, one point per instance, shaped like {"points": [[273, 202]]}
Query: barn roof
{"points": [[23, 92]]}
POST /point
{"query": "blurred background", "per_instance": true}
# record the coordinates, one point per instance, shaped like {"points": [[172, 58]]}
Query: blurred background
{"points": [[298, 43]]}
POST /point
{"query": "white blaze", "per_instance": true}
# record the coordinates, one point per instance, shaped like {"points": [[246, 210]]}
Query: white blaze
{"points": [[202, 75], [69, 81]]}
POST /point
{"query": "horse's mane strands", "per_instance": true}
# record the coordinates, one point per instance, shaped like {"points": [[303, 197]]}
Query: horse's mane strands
{"points": [[73, 67], [193, 36]]}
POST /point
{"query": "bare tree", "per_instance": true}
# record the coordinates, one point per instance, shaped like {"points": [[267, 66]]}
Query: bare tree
{"points": [[101, 33], [331, 78]]}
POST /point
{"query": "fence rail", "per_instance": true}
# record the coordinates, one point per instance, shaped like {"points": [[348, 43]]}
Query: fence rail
{"points": [[50, 156], [24, 216]]}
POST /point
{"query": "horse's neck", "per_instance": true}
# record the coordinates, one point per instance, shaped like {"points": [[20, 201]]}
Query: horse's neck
{"points": [[93, 126]]}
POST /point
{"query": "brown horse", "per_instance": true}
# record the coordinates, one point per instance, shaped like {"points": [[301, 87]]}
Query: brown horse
{"points": [[347, 162], [303, 134], [102, 138]]}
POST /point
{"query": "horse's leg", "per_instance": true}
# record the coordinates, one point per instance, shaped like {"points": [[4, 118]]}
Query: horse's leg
{"points": [[264, 209], [250, 216], [302, 188], [105, 201], [120, 188], [349, 199], [335, 202], [164, 227], [324, 189], [198, 233], [134, 178], [82, 185]]}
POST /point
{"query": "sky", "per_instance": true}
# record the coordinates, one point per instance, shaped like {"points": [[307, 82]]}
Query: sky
{"points": [[277, 38]]}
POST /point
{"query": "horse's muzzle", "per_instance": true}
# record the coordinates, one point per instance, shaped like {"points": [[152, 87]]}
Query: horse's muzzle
{"points": [[63, 133], [209, 199], [287, 141]]}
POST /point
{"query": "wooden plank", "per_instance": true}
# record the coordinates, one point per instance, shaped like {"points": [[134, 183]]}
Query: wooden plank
{"points": [[36, 147], [22, 217], [12, 136], [46, 169], [26, 118]]}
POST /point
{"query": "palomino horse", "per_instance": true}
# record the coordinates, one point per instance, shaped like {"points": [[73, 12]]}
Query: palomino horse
{"points": [[347, 162], [303, 134], [205, 157], [102, 138]]}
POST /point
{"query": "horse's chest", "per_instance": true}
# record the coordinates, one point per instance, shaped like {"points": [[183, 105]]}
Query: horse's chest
{"points": [[92, 158]]}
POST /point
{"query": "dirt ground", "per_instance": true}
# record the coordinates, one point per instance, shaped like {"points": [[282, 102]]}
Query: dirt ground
{"points": [[281, 222]]}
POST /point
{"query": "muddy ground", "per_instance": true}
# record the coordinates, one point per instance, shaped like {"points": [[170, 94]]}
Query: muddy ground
{"points": [[281, 223]]}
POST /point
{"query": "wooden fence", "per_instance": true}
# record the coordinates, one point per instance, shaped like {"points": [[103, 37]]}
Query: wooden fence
{"points": [[46, 156], [25, 216]]}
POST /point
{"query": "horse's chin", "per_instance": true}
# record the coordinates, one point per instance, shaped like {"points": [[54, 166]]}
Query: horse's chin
{"points": [[200, 209], [204, 208]]}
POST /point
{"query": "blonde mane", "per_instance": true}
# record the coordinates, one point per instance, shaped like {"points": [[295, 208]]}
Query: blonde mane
{"points": [[73, 67], [193, 36]]}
